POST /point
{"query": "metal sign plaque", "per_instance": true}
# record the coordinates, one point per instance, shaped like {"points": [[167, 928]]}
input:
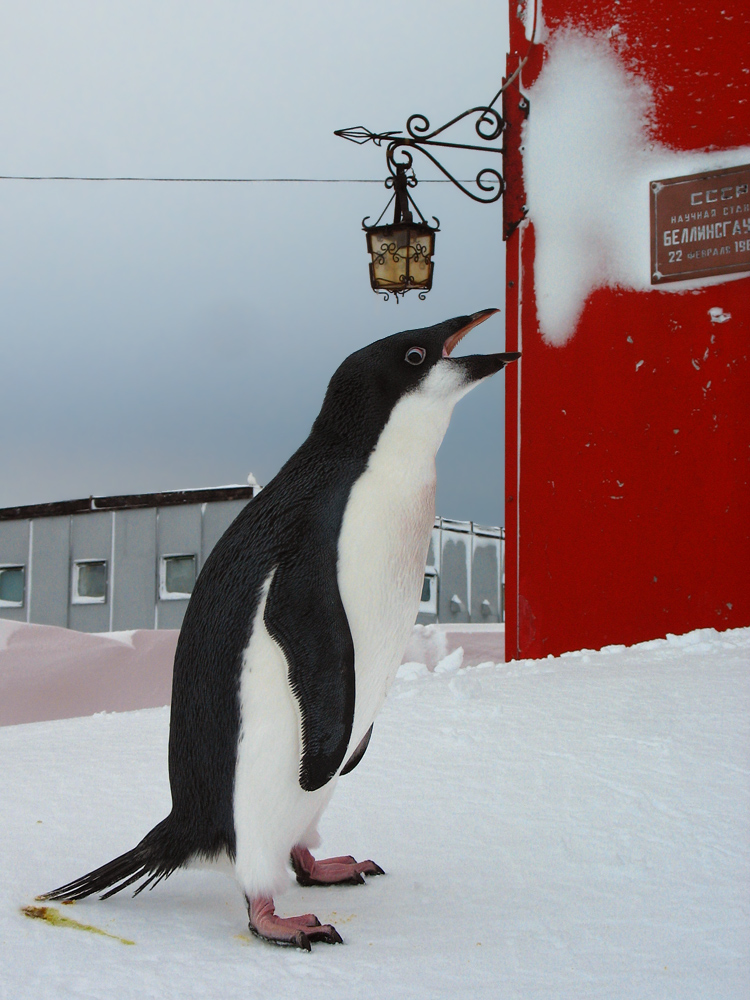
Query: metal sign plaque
{"points": [[700, 225]]}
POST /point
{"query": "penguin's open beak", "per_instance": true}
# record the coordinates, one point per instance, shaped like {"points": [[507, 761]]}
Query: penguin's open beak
{"points": [[458, 335], [477, 366]]}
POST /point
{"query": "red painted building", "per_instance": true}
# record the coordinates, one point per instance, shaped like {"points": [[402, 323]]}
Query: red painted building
{"points": [[628, 417]]}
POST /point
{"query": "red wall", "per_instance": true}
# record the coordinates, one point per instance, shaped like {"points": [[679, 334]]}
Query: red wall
{"points": [[590, 562]]}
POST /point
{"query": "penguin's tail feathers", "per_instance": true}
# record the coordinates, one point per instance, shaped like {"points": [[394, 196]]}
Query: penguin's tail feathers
{"points": [[152, 860]]}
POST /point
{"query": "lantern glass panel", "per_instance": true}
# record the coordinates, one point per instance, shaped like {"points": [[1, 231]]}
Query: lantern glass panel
{"points": [[401, 257], [388, 258], [420, 259]]}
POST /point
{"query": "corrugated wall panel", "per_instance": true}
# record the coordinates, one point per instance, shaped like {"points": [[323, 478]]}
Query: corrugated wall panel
{"points": [[216, 519], [50, 575], [135, 569], [485, 574], [454, 580]]}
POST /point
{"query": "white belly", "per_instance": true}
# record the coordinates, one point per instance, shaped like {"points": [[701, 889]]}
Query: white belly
{"points": [[382, 551]]}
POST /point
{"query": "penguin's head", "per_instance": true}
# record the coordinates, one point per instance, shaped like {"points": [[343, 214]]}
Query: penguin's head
{"points": [[427, 356], [413, 372]]}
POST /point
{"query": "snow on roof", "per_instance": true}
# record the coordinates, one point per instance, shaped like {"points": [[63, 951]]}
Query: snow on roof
{"points": [[130, 501]]}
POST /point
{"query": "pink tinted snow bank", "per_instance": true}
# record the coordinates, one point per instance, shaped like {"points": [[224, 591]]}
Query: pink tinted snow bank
{"points": [[429, 644], [56, 673]]}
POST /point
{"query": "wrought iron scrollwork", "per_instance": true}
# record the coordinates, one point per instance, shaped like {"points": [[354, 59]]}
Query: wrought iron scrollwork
{"points": [[487, 116], [406, 243], [418, 135]]}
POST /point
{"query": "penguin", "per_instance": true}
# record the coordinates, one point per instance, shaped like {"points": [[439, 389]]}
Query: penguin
{"points": [[294, 632]]}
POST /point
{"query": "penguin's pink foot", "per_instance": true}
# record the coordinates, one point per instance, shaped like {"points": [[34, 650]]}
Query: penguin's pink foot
{"points": [[331, 871], [293, 932]]}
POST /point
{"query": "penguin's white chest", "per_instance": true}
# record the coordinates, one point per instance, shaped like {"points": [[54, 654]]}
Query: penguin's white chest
{"points": [[383, 546]]}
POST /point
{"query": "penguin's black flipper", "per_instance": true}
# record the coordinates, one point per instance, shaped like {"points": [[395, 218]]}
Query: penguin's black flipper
{"points": [[305, 615], [358, 754]]}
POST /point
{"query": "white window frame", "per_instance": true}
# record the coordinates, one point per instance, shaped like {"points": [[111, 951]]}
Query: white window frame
{"points": [[75, 597], [430, 607], [22, 602], [168, 595]]}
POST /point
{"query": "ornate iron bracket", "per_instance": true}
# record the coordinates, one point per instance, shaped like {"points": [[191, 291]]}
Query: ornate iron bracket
{"points": [[488, 126], [400, 181]]}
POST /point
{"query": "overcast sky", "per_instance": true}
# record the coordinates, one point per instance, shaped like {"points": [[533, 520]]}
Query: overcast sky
{"points": [[161, 336]]}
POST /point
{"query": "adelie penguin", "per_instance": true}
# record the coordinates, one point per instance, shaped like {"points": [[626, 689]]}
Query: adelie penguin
{"points": [[288, 648]]}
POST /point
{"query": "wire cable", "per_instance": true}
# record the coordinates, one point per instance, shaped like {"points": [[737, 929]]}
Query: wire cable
{"points": [[212, 180]]}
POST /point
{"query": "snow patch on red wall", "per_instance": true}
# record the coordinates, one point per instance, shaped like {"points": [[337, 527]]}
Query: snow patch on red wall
{"points": [[589, 156]]}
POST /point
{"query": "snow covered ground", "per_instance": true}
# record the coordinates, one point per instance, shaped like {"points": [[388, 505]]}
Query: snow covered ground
{"points": [[565, 828]]}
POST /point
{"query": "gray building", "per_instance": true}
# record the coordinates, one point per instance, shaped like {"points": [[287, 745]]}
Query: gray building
{"points": [[464, 575], [105, 564]]}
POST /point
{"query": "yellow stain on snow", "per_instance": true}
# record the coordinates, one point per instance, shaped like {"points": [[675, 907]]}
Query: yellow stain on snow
{"points": [[53, 916], [334, 918]]}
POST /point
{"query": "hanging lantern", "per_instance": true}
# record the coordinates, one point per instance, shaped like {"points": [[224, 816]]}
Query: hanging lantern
{"points": [[401, 253]]}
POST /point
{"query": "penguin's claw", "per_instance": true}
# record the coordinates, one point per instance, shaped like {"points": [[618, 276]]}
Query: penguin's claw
{"points": [[331, 871], [372, 868], [288, 932]]}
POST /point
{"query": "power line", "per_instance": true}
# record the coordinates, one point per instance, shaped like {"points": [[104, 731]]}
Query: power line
{"points": [[212, 180]]}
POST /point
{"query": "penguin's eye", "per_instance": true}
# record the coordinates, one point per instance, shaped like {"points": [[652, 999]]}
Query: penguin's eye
{"points": [[416, 355]]}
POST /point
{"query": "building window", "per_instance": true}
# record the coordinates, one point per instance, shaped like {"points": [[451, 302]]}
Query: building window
{"points": [[12, 586], [176, 577], [89, 581], [428, 602]]}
